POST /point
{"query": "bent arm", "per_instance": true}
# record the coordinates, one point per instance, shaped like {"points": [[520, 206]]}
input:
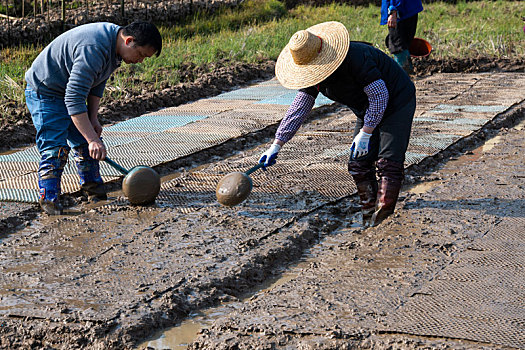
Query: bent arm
{"points": [[93, 103], [378, 96], [97, 150], [294, 118]]}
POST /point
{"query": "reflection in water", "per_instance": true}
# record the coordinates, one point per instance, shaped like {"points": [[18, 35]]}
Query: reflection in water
{"points": [[181, 336]]}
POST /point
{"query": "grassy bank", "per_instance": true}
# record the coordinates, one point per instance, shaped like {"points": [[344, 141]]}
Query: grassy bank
{"points": [[260, 28]]}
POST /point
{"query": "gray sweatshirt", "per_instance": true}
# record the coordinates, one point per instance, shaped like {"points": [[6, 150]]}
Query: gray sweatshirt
{"points": [[76, 64]]}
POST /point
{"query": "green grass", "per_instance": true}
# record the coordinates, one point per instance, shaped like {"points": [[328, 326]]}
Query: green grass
{"points": [[260, 28]]}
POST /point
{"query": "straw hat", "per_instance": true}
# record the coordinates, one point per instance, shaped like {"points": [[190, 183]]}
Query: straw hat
{"points": [[312, 55]]}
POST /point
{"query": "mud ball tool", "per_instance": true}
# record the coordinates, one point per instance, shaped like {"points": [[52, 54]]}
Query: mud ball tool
{"points": [[141, 184], [235, 187]]}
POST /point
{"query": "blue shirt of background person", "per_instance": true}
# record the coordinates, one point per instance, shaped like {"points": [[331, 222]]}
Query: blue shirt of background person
{"points": [[404, 8], [401, 18]]}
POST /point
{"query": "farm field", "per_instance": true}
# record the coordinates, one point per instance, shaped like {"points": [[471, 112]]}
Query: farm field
{"points": [[289, 268]]}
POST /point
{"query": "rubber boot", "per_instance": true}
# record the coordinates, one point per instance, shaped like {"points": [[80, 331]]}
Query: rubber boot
{"points": [[50, 172], [390, 180], [91, 183], [403, 59], [364, 175]]}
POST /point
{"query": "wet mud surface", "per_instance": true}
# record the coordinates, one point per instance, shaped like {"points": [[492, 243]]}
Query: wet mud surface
{"points": [[109, 275], [351, 289]]}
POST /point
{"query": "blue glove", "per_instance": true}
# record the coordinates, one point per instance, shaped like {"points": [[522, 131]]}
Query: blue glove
{"points": [[360, 145], [269, 157]]}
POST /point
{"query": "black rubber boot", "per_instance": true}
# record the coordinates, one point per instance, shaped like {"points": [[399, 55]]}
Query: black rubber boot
{"points": [[88, 168], [390, 181], [94, 191], [364, 175]]}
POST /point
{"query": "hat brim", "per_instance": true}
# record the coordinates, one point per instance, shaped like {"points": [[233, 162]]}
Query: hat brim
{"points": [[336, 41]]}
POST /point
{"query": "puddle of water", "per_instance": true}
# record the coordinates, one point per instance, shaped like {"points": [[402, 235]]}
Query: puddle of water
{"points": [[494, 141], [520, 126], [491, 143], [179, 337]]}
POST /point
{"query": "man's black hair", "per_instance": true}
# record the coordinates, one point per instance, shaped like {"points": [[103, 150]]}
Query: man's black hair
{"points": [[145, 34]]}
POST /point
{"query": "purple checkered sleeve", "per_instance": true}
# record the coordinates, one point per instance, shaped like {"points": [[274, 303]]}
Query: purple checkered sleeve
{"points": [[377, 100], [295, 116]]}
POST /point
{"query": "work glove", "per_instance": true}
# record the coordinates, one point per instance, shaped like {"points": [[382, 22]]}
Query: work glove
{"points": [[269, 157], [360, 145]]}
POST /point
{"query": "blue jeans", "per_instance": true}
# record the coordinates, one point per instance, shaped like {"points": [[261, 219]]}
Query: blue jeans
{"points": [[55, 136], [54, 127]]}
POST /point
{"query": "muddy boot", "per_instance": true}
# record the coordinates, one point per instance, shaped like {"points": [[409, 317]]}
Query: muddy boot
{"points": [[50, 196], [94, 191], [364, 175], [49, 175], [91, 183], [390, 181]]}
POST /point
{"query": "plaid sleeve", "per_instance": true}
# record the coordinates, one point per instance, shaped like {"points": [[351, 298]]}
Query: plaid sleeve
{"points": [[295, 116], [377, 101]]}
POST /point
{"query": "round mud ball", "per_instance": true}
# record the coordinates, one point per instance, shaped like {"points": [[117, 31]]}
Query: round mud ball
{"points": [[141, 185], [233, 189]]}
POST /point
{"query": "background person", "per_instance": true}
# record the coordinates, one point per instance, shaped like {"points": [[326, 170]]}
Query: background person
{"points": [[382, 96], [401, 18], [64, 86]]}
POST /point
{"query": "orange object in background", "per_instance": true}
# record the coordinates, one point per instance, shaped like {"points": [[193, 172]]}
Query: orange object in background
{"points": [[419, 48]]}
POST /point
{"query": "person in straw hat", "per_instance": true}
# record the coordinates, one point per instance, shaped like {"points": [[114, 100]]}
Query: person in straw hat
{"points": [[322, 59]]}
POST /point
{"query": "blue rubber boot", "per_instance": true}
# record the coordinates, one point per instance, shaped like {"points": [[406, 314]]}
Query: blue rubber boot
{"points": [[50, 172], [403, 59], [88, 168]]}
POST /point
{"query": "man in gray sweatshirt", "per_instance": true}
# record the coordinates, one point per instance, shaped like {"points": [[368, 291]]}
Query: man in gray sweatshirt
{"points": [[64, 86]]}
